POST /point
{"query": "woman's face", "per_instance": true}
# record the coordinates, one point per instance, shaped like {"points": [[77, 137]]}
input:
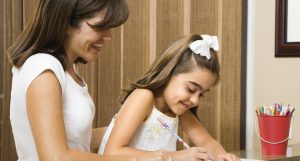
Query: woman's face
{"points": [[185, 90], [84, 41]]}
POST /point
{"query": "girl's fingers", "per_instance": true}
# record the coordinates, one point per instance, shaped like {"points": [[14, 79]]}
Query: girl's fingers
{"points": [[234, 157], [203, 156], [228, 157], [201, 150]]}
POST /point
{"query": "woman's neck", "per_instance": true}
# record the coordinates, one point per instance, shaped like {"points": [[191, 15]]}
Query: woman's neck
{"points": [[75, 76]]}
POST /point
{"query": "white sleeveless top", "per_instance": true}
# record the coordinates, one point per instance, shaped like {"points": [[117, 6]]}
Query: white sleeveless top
{"points": [[78, 107], [151, 135]]}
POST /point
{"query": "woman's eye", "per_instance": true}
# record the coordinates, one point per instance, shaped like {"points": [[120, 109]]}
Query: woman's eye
{"points": [[98, 30]]}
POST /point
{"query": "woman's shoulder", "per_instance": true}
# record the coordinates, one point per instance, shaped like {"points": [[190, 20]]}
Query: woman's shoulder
{"points": [[42, 61], [42, 57], [36, 64]]}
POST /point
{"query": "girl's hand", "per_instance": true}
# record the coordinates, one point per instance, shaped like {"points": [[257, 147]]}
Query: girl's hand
{"points": [[160, 155], [226, 157], [190, 154]]}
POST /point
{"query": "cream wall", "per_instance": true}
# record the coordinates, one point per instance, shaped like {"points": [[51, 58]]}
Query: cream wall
{"points": [[274, 79]]}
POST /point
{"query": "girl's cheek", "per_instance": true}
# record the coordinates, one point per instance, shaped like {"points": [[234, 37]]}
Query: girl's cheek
{"points": [[185, 93]]}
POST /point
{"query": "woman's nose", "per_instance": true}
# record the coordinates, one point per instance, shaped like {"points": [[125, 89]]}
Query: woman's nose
{"points": [[107, 35]]}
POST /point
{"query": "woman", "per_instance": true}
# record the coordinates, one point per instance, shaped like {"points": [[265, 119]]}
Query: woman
{"points": [[51, 109]]}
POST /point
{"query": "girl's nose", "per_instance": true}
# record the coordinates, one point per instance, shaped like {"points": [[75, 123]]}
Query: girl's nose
{"points": [[107, 35], [195, 100]]}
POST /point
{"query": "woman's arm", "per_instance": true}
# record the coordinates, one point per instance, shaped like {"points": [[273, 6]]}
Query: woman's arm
{"points": [[44, 108], [201, 138]]}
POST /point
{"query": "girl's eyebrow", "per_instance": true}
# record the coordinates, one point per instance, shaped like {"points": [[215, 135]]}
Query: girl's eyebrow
{"points": [[198, 85]]}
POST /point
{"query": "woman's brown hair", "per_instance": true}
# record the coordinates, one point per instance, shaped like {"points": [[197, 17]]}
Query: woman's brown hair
{"points": [[46, 31], [176, 59]]}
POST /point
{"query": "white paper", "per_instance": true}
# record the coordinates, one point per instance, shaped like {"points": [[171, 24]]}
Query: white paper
{"points": [[250, 160], [246, 160]]}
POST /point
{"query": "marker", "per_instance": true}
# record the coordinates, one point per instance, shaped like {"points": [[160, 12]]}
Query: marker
{"points": [[172, 132], [278, 109], [257, 111], [291, 113], [262, 110]]}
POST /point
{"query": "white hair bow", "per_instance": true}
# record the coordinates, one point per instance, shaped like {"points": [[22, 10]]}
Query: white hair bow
{"points": [[202, 46]]}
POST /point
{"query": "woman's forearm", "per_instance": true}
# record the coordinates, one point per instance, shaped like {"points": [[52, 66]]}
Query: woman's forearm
{"points": [[75, 155]]}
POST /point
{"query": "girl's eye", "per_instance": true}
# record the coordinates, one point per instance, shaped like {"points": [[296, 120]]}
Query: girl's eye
{"points": [[201, 95], [191, 90]]}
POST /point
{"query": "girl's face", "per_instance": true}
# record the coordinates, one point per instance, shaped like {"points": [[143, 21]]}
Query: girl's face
{"points": [[185, 90], [85, 41]]}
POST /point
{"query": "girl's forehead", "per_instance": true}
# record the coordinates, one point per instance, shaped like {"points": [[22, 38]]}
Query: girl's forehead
{"points": [[199, 76]]}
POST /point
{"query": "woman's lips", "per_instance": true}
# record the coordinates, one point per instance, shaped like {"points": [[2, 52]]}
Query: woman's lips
{"points": [[97, 45]]}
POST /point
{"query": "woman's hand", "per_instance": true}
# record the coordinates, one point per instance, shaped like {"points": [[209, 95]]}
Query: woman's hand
{"points": [[226, 157], [190, 154]]}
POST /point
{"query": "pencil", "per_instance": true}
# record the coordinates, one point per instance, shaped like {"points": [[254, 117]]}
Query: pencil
{"points": [[172, 132]]}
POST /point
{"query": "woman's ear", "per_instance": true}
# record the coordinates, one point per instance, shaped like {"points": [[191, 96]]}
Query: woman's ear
{"points": [[70, 30]]}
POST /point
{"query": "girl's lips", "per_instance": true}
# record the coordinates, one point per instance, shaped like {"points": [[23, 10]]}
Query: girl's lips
{"points": [[186, 106]]}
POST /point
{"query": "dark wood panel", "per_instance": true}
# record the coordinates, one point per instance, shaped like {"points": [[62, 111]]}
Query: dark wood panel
{"points": [[135, 58], [28, 8], [231, 74], [243, 106], [109, 79], [170, 23], [1, 67], [1, 48], [204, 16], [2, 55], [204, 20], [1, 123], [13, 27]]}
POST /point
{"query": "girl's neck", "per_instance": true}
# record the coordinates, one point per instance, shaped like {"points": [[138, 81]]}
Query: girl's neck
{"points": [[162, 106]]}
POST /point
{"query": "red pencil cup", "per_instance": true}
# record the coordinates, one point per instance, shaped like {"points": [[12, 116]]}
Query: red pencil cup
{"points": [[274, 134]]}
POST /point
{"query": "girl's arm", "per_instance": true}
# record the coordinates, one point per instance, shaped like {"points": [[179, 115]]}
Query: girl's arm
{"points": [[201, 138], [133, 113], [44, 108], [97, 136]]}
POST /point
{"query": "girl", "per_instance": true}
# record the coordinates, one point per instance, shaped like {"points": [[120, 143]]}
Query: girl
{"points": [[175, 82], [51, 110]]}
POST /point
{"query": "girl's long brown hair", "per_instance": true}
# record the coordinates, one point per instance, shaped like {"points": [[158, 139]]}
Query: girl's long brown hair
{"points": [[46, 31], [176, 59]]}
